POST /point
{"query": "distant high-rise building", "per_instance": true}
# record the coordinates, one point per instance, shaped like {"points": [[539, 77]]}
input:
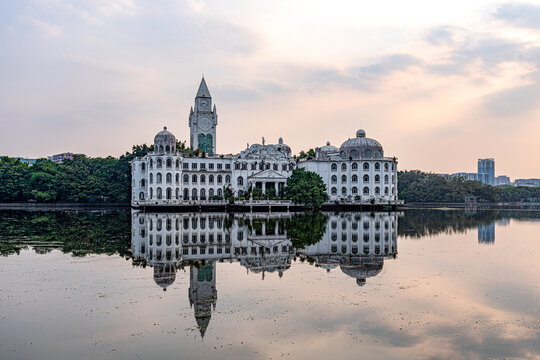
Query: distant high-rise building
{"points": [[502, 180], [26, 161], [486, 233], [59, 158], [486, 171], [527, 182], [466, 176]]}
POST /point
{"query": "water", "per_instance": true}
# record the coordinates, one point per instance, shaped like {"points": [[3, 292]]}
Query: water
{"points": [[415, 284]]}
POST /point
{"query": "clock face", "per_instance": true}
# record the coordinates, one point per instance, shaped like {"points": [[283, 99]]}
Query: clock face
{"points": [[204, 104], [205, 124]]}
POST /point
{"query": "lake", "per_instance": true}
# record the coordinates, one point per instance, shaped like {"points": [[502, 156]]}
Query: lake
{"points": [[423, 284]]}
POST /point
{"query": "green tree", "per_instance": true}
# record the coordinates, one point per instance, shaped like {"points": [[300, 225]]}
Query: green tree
{"points": [[306, 187]]}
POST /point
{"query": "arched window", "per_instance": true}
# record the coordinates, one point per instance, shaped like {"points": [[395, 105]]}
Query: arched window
{"points": [[366, 166], [186, 178], [167, 148], [194, 194], [151, 178], [377, 166], [141, 195], [343, 155], [355, 166], [177, 164], [169, 162], [366, 178], [240, 180], [368, 153], [386, 179], [354, 190], [158, 178], [177, 193], [386, 190], [219, 192], [169, 193], [377, 179], [343, 167], [343, 191], [151, 163], [177, 178], [143, 167], [227, 179], [211, 179], [377, 190], [366, 190], [334, 191], [194, 178], [203, 178], [334, 179], [354, 178], [211, 193], [203, 194], [159, 194], [385, 166], [353, 154], [161, 148], [343, 178], [219, 179], [334, 167], [151, 193], [186, 194], [159, 163], [143, 182], [168, 177]]}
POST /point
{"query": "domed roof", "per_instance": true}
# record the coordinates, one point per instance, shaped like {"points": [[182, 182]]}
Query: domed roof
{"points": [[366, 268], [164, 135], [361, 147], [164, 275]]}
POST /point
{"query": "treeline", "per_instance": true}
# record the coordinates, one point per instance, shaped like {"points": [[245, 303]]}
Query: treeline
{"points": [[82, 179], [418, 186]]}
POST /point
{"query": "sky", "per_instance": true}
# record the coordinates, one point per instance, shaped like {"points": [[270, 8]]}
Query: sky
{"points": [[438, 84]]}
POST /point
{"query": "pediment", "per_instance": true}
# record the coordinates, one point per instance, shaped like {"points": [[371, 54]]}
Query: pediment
{"points": [[267, 174]]}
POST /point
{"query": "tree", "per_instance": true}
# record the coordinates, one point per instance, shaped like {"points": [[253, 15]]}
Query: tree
{"points": [[306, 187]]}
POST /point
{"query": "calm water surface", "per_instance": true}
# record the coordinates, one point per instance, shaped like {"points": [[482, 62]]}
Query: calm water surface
{"points": [[426, 284]]}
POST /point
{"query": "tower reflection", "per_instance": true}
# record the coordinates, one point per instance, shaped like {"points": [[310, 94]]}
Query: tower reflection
{"points": [[264, 243]]}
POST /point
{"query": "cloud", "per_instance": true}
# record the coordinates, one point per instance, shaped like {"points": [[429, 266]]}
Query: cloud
{"points": [[521, 15], [440, 35]]}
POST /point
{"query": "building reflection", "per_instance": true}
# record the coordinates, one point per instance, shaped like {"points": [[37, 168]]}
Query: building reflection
{"points": [[264, 243], [486, 233]]}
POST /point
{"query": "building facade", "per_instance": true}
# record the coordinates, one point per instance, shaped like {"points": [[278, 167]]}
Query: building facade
{"points": [[486, 171], [357, 171]]}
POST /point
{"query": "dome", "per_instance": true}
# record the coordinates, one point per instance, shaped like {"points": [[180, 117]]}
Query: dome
{"points": [[361, 147], [165, 141], [364, 269], [164, 275], [327, 149]]}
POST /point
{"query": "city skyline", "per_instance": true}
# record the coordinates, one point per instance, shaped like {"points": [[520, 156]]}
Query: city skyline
{"points": [[438, 87]]}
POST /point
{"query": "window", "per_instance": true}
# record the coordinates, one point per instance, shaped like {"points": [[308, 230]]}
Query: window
{"points": [[168, 178], [143, 167], [284, 167], [219, 179], [194, 165], [386, 179], [177, 193], [159, 163], [344, 191], [194, 194], [203, 179], [194, 178], [244, 166], [366, 190], [186, 178], [377, 190], [185, 166], [158, 178], [177, 178], [386, 166], [377, 179], [355, 166], [219, 192], [342, 155], [334, 167], [240, 181], [343, 167], [227, 166], [211, 179], [169, 193], [334, 179], [237, 166], [141, 196], [203, 194], [159, 194], [366, 166], [178, 164], [368, 153], [151, 178], [354, 190], [169, 162], [343, 178], [143, 183], [334, 191], [377, 166], [386, 190], [151, 193], [211, 166], [253, 166], [203, 166], [227, 179], [211, 193], [186, 194], [354, 178], [366, 178]]}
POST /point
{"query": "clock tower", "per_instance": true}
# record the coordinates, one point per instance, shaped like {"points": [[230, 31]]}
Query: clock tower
{"points": [[203, 122]]}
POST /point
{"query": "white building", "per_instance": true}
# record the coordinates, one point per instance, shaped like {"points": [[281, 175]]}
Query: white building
{"points": [[355, 172]]}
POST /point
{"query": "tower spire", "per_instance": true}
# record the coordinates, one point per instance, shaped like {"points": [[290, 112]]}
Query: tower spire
{"points": [[203, 90]]}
